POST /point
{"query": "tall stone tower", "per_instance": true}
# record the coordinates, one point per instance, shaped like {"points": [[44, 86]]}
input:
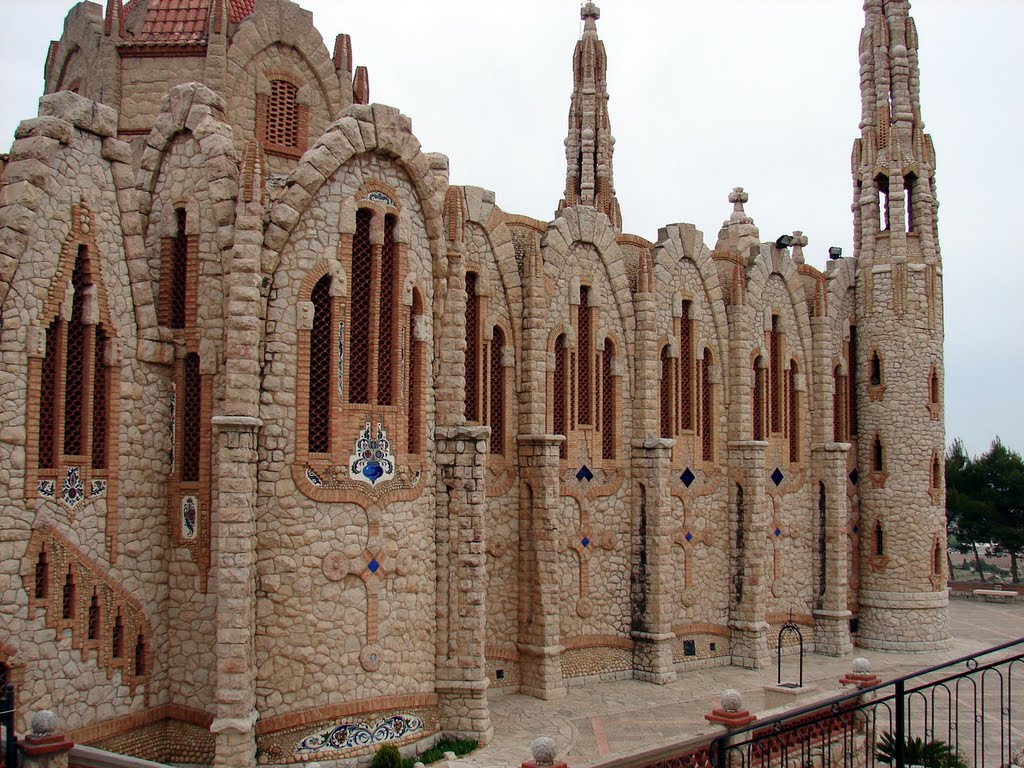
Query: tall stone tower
{"points": [[896, 347], [590, 144]]}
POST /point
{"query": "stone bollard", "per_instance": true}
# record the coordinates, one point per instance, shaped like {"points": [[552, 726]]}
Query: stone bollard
{"points": [[43, 747], [543, 750], [731, 713], [861, 676]]}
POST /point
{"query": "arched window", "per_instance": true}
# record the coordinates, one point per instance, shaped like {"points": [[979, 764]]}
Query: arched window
{"points": [[707, 409], [472, 348], [416, 371], [321, 364], [359, 335], [559, 382], [585, 358], [665, 392], [497, 392], [191, 419], [794, 415], [686, 369], [175, 278], [775, 375], [882, 188], [876, 369], [758, 402], [282, 123], [608, 415]]}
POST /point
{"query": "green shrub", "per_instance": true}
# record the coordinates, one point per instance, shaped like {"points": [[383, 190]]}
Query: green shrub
{"points": [[459, 746], [932, 754], [387, 756]]}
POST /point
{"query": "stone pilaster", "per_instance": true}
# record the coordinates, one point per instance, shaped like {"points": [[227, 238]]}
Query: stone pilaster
{"points": [[749, 521], [652, 604], [461, 579], [539, 645], [832, 619]]}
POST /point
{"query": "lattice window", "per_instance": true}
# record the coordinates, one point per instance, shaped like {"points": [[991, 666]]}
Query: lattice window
{"points": [[320, 365], [758, 401], [191, 421], [177, 273], [416, 404], [558, 409], [360, 342], [76, 364], [877, 456], [42, 576], [117, 637], [283, 114], [68, 596], [686, 369], [140, 656], [472, 347], [665, 393], [607, 402], [794, 416], [585, 364], [838, 406], [48, 397], [386, 315], [707, 410], [775, 375], [497, 392], [100, 404], [93, 622], [851, 383]]}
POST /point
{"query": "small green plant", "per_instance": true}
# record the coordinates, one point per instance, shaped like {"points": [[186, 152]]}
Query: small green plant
{"points": [[916, 751], [459, 746], [387, 756]]}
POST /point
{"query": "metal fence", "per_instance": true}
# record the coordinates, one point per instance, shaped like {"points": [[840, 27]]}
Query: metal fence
{"points": [[963, 713]]}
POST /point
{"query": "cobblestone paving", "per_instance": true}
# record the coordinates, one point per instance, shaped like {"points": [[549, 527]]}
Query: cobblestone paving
{"points": [[600, 720]]}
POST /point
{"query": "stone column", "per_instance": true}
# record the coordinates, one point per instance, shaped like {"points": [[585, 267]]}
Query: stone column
{"points": [[652, 617], [462, 577], [539, 646], [832, 620], [748, 527]]}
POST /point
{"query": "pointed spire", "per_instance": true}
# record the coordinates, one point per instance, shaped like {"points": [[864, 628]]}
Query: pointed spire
{"points": [[590, 144]]}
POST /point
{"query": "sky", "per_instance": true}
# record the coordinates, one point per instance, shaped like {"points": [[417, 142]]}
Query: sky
{"points": [[705, 96]]}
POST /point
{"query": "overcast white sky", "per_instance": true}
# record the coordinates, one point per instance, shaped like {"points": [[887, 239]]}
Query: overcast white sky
{"points": [[705, 96]]}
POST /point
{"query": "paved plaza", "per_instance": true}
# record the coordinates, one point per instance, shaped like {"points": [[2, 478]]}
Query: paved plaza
{"points": [[598, 721]]}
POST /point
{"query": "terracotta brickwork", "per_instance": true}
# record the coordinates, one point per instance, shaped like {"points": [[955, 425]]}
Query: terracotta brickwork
{"points": [[302, 445]]}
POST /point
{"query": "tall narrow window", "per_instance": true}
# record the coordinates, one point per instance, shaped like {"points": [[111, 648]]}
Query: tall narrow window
{"points": [[585, 365], [79, 338], [822, 542], [876, 369], [558, 409], [879, 540], [707, 409], [737, 555], [177, 272], [191, 421], [909, 184], [386, 322], [877, 457], [665, 393], [100, 395], [359, 344], [936, 472], [933, 387], [472, 348], [775, 375], [93, 623], [882, 187], [117, 637], [758, 401], [283, 114], [320, 365], [937, 558], [42, 575], [851, 383], [794, 415], [68, 596], [48, 396], [607, 402], [497, 392], [686, 369], [416, 369], [140, 656], [839, 400]]}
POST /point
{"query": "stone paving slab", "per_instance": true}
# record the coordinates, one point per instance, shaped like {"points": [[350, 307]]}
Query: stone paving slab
{"points": [[598, 721]]}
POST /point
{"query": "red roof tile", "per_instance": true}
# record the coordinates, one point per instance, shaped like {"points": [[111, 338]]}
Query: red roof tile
{"points": [[240, 9], [182, 21]]}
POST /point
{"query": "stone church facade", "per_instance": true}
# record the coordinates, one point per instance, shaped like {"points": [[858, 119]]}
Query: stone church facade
{"points": [[303, 448]]}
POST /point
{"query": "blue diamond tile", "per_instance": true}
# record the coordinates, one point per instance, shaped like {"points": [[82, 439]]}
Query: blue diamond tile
{"points": [[584, 474], [585, 542], [777, 477], [687, 477], [688, 537], [777, 532], [854, 476], [856, 529], [373, 565]]}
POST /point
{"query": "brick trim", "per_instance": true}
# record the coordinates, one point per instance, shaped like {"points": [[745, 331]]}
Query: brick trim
{"points": [[346, 709]]}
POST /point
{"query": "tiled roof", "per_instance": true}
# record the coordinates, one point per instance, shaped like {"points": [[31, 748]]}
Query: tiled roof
{"points": [[182, 21]]}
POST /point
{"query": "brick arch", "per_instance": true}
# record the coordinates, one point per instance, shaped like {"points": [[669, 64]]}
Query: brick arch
{"points": [[387, 132], [759, 276]]}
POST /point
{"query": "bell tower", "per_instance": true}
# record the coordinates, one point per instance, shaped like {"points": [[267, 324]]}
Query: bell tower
{"points": [[898, 365]]}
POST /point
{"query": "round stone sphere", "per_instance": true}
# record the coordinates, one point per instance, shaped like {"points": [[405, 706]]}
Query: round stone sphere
{"points": [[732, 700], [861, 666], [43, 723], [543, 750]]}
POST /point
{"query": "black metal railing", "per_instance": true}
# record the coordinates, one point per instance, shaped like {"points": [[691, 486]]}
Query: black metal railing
{"points": [[967, 712], [7, 723]]}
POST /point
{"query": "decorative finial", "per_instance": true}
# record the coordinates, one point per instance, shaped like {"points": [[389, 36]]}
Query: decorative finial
{"points": [[732, 700], [590, 11], [543, 750], [738, 197], [43, 723], [799, 241]]}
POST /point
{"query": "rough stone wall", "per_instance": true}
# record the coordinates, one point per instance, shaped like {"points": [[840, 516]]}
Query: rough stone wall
{"points": [[148, 81]]}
